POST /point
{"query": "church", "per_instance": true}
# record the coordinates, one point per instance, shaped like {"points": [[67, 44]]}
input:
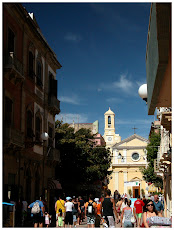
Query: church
{"points": [[128, 156]]}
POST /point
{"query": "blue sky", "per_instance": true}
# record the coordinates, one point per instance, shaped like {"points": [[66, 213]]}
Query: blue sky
{"points": [[102, 49]]}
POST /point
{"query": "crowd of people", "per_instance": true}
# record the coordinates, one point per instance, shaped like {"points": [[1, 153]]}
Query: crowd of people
{"points": [[106, 210]]}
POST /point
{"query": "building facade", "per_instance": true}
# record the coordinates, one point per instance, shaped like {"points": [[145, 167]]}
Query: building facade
{"points": [[29, 108], [128, 156], [158, 74], [94, 127]]}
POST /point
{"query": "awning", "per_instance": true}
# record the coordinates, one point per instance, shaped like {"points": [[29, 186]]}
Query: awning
{"points": [[54, 184], [152, 188]]}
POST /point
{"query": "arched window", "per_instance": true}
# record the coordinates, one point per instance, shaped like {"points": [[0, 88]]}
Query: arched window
{"points": [[38, 128], [39, 74], [109, 121], [30, 124], [31, 67]]}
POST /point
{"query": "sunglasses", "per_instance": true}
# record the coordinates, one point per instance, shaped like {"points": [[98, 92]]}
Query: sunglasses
{"points": [[150, 205]]}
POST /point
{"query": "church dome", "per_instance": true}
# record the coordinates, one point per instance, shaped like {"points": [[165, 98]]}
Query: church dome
{"points": [[109, 112]]}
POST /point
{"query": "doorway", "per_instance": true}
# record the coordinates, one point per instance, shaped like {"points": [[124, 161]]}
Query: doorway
{"points": [[136, 191]]}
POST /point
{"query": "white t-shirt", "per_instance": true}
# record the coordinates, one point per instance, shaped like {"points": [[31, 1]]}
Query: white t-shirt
{"points": [[69, 206]]}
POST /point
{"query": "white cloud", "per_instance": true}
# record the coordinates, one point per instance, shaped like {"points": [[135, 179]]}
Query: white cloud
{"points": [[124, 84], [70, 117], [73, 37], [70, 100]]}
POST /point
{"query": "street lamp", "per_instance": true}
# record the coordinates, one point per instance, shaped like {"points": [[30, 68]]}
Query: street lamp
{"points": [[143, 92], [44, 137]]}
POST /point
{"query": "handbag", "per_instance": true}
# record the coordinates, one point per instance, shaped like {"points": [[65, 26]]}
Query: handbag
{"points": [[133, 220]]}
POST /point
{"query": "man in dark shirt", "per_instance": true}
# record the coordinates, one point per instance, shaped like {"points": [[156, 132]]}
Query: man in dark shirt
{"points": [[82, 208], [109, 209], [158, 205]]}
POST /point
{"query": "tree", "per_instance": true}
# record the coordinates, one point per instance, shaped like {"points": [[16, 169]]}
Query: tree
{"points": [[152, 149], [81, 163]]}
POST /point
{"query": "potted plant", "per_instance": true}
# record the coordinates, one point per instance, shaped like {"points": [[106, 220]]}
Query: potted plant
{"points": [[130, 192]]}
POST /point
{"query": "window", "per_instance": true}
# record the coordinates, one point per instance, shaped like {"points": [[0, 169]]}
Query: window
{"points": [[39, 74], [135, 156], [31, 72], [52, 85], [38, 128], [109, 121], [29, 124], [8, 110], [11, 40]]}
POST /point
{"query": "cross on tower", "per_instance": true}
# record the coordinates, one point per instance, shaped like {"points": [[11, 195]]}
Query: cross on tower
{"points": [[134, 129]]}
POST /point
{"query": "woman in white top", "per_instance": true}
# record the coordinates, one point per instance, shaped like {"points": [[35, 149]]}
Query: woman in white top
{"points": [[69, 216]]}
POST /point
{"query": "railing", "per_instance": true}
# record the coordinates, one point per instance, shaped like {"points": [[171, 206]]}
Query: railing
{"points": [[54, 102], [13, 136], [12, 61], [54, 155], [161, 110]]}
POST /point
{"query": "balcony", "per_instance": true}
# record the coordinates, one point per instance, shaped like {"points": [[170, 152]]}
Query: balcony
{"points": [[12, 136], [54, 155], [13, 68], [53, 105]]}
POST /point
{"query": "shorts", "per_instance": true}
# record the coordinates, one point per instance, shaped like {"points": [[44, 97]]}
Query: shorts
{"points": [[69, 218], [60, 221], [139, 215], [58, 214], [90, 219], [110, 221], [74, 218], [37, 218], [127, 224]]}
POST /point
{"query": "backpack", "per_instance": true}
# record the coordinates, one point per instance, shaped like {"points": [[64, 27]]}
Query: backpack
{"points": [[90, 208], [36, 208]]}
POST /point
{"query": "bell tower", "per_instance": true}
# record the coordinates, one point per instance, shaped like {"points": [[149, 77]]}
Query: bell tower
{"points": [[109, 135]]}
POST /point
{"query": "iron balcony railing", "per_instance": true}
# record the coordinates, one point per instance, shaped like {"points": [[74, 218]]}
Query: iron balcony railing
{"points": [[11, 61]]}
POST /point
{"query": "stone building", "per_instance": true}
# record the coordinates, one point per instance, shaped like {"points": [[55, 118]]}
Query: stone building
{"points": [[94, 127], [29, 108]]}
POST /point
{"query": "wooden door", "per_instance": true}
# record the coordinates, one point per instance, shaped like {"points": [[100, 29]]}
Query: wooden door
{"points": [[136, 191]]}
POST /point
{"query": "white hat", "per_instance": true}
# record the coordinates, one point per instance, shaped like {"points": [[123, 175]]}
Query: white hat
{"points": [[68, 198], [96, 199]]}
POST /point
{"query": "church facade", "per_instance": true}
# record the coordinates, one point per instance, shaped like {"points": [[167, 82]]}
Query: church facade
{"points": [[128, 156]]}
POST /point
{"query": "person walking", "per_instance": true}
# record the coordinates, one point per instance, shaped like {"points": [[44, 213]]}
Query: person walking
{"points": [[158, 205], [37, 212], [98, 214], [127, 214], [75, 211], [118, 208], [90, 211], [69, 216], [138, 204], [109, 209], [82, 209], [60, 209]]}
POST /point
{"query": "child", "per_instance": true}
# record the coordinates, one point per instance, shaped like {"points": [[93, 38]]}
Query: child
{"points": [[60, 219], [47, 219]]}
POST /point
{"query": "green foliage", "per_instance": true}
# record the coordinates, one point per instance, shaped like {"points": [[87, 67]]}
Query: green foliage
{"points": [[81, 162], [152, 149]]}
